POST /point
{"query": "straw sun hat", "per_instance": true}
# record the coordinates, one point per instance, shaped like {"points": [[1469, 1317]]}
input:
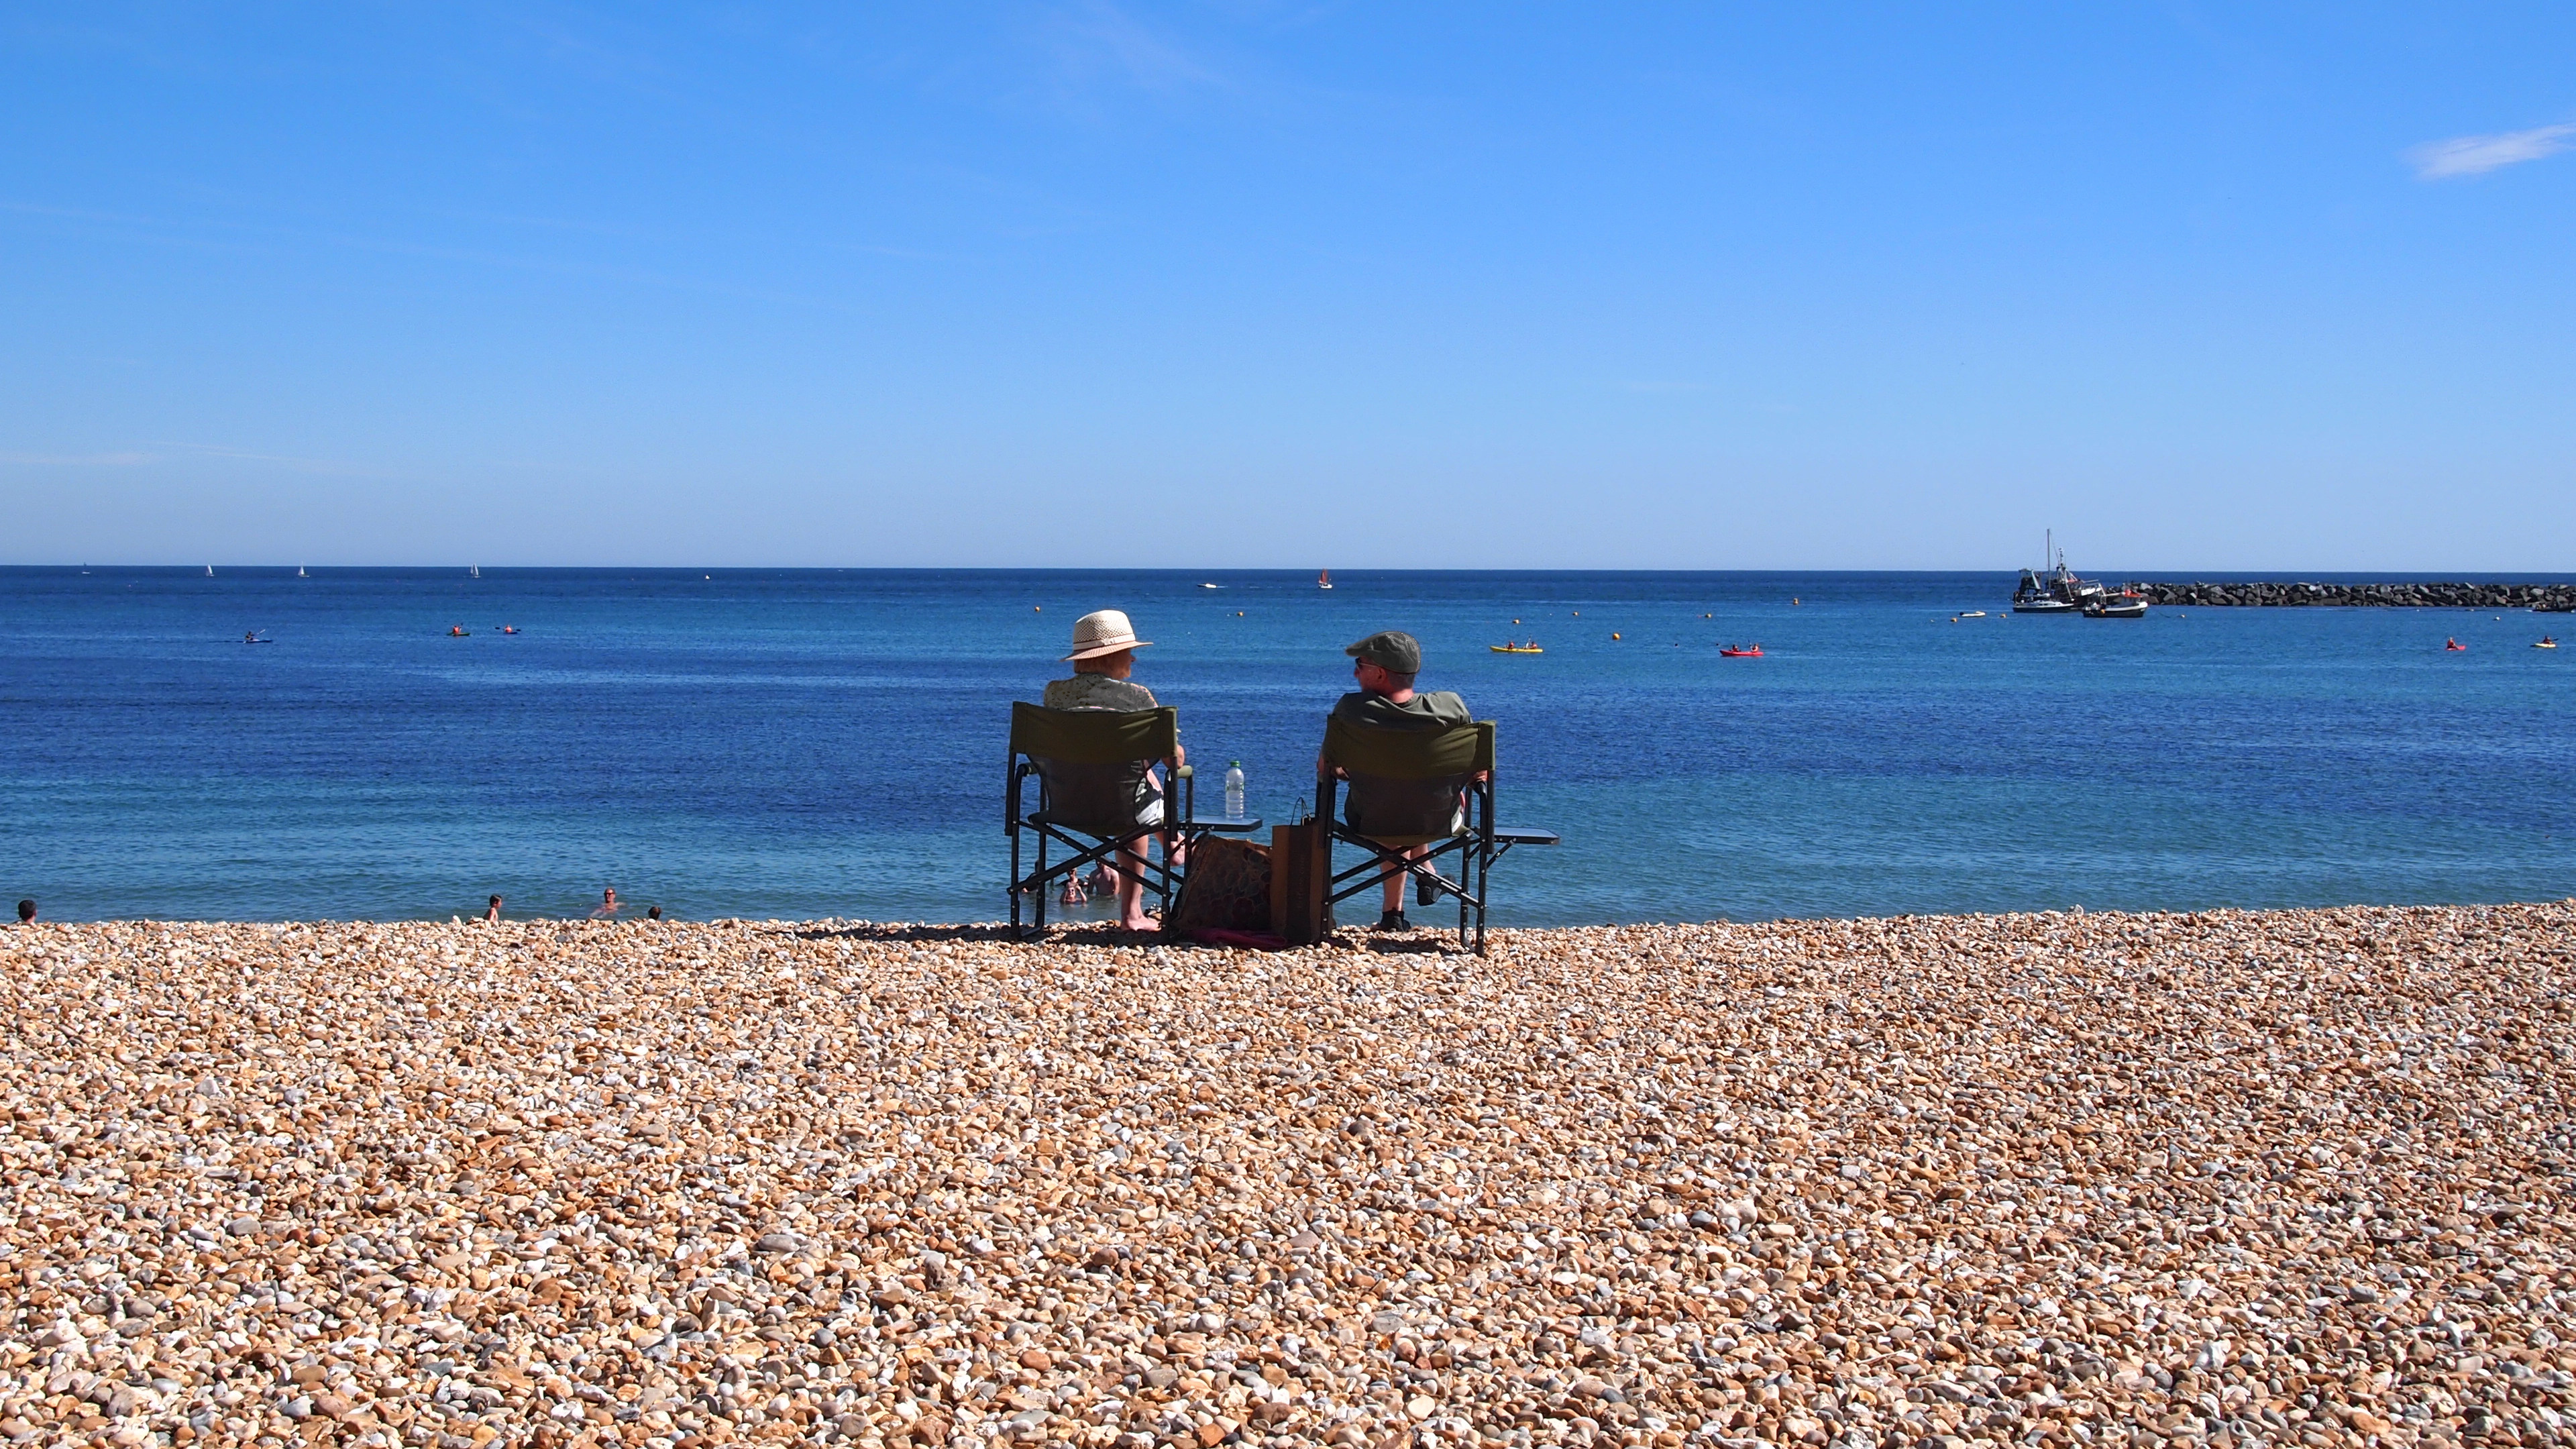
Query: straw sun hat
{"points": [[1104, 632]]}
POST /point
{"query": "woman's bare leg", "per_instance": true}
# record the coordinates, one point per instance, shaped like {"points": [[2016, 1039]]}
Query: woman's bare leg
{"points": [[1131, 887]]}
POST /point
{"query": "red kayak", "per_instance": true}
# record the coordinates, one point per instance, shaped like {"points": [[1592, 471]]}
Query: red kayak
{"points": [[1731, 652], [2450, 644]]}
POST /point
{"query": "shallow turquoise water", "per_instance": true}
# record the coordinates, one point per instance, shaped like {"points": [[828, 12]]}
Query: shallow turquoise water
{"points": [[820, 743]]}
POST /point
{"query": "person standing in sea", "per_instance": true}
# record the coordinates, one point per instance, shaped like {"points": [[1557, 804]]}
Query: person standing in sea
{"points": [[1104, 655]]}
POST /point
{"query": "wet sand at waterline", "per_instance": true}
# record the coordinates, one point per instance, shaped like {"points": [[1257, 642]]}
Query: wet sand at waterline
{"points": [[2288, 1177]]}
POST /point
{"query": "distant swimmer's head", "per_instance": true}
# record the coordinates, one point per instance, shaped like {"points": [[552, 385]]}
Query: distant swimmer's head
{"points": [[26, 912], [652, 913], [1104, 643]]}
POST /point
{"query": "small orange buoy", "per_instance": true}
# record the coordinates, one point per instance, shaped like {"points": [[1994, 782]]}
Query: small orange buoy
{"points": [[1614, 633]]}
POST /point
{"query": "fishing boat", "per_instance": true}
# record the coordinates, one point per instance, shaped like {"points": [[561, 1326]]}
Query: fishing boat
{"points": [[2117, 606], [1516, 648], [2054, 588], [2546, 642], [1742, 651], [1324, 580]]}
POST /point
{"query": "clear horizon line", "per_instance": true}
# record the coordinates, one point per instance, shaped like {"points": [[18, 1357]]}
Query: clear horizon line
{"points": [[2292, 574]]}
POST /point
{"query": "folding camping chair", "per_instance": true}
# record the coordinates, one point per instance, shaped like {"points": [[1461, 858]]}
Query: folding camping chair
{"points": [[1413, 787], [1092, 796]]}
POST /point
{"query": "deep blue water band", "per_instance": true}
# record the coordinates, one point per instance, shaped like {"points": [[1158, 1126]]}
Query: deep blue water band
{"points": [[828, 743]]}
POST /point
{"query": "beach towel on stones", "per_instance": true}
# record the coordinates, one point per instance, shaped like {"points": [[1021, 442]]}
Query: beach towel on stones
{"points": [[1227, 888]]}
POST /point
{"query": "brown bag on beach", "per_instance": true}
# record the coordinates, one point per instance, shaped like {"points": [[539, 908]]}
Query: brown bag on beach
{"points": [[1301, 876], [1227, 887]]}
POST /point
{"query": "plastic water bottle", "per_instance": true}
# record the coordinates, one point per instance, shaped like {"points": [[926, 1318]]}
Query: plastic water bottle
{"points": [[1234, 791]]}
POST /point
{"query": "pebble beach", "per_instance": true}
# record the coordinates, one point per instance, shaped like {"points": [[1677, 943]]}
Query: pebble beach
{"points": [[2286, 1177]]}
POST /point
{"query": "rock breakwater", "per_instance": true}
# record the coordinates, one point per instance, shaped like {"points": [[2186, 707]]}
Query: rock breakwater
{"points": [[2292, 1177], [2557, 598]]}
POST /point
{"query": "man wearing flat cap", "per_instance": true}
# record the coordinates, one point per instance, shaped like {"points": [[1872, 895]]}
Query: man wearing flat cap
{"points": [[1384, 665]]}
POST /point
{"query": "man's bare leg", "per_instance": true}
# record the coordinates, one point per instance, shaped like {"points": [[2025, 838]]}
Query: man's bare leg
{"points": [[1395, 883]]}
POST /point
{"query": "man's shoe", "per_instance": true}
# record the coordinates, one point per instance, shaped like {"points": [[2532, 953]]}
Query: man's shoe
{"points": [[1394, 921], [1424, 892]]}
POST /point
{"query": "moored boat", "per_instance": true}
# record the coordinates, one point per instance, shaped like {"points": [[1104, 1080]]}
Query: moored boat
{"points": [[2054, 589]]}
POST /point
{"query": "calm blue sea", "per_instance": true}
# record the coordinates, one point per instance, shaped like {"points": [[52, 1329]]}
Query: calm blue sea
{"points": [[830, 743]]}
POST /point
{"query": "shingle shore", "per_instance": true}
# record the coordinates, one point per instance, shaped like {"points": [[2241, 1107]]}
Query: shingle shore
{"points": [[2286, 1177]]}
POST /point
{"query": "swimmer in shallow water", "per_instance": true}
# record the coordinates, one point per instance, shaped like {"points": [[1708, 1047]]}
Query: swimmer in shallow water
{"points": [[608, 906]]}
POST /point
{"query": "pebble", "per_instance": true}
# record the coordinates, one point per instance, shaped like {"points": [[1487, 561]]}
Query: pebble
{"points": [[2289, 1177]]}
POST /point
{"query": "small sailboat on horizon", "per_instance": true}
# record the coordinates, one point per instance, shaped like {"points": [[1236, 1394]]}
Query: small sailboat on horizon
{"points": [[474, 571], [300, 573], [1324, 580], [210, 571]]}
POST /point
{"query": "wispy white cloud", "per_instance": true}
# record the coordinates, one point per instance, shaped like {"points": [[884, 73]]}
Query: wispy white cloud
{"points": [[325, 467], [152, 452], [2477, 155], [1097, 36], [76, 460]]}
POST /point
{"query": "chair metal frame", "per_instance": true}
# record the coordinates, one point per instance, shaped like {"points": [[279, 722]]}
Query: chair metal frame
{"points": [[1100, 737], [1464, 753]]}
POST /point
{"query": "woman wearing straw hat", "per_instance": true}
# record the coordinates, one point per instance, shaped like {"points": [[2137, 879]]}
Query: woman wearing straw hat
{"points": [[1104, 654]]}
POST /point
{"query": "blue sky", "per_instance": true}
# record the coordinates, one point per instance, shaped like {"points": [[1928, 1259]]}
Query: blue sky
{"points": [[2252, 287]]}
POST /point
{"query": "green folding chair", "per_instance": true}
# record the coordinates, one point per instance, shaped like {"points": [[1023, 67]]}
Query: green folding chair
{"points": [[1094, 796], [1411, 787]]}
